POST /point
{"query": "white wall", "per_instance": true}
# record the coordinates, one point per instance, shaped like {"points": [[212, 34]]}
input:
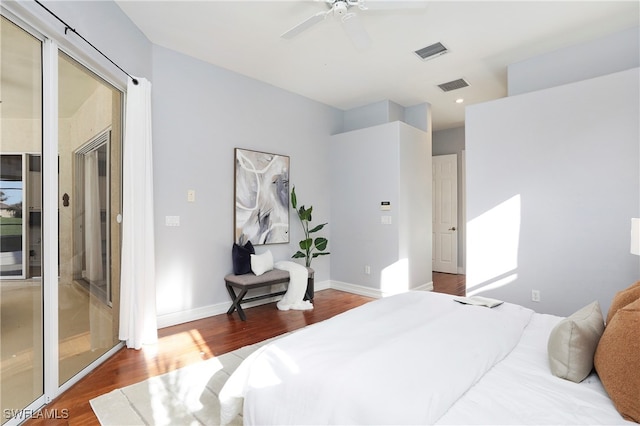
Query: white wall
{"points": [[416, 209], [617, 52], [201, 113], [552, 182], [388, 162]]}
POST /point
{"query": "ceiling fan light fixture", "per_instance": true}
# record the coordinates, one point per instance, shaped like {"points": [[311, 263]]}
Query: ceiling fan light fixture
{"points": [[340, 8]]}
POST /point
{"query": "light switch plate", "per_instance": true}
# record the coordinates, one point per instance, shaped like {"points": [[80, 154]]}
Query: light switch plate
{"points": [[172, 220]]}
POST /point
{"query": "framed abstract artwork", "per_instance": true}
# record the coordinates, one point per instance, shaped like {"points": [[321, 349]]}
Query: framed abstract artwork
{"points": [[261, 197]]}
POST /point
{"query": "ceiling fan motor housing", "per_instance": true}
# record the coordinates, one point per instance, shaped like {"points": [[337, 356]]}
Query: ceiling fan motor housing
{"points": [[340, 8]]}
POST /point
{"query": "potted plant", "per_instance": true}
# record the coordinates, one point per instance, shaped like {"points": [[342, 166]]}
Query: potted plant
{"points": [[310, 247]]}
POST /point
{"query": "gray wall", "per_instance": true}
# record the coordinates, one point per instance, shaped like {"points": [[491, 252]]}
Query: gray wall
{"points": [[201, 113], [552, 182], [451, 141], [616, 52], [388, 162], [416, 205]]}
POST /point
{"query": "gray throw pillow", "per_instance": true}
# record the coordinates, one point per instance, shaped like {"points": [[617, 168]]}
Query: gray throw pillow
{"points": [[573, 342]]}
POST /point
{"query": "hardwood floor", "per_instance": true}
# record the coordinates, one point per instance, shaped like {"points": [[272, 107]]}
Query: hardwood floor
{"points": [[192, 342], [449, 284]]}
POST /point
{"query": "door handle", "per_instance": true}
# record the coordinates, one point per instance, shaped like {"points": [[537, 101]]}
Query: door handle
{"points": [[453, 228]]}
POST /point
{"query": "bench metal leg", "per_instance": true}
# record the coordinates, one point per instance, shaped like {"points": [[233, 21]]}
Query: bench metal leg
{"points": [[236, 302]]}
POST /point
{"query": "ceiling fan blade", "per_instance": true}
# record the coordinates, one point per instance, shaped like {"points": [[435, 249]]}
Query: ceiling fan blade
{"points": [[306, 24], [391, 4], [356, 32]]}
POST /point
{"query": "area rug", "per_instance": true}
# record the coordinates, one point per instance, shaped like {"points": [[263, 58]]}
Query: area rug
{"points": [[187, 396]]}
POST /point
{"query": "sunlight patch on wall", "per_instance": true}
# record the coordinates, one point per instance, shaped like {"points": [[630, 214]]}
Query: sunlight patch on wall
{"points": [[493, 239], [394, 278], [501, 282], [174, 289]]}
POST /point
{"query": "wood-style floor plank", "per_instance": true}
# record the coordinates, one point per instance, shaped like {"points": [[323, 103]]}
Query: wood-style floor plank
{"points": [[188, 343], [449, 284]]}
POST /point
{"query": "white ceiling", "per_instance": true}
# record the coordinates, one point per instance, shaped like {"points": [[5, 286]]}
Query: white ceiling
{"points": [[322, 64]]}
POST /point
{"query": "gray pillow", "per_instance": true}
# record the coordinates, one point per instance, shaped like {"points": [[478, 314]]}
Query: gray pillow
{"points": [[573, 342]]}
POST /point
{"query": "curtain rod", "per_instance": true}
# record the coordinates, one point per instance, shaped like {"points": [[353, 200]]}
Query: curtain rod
{"points": [[68, 28]]}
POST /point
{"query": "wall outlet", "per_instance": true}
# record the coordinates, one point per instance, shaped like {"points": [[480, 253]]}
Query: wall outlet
{"points": [[367, 270], [535, 295], [191, 195]]}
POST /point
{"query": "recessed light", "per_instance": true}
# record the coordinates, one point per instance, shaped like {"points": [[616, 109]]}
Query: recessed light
{"points": [[459, 100]]}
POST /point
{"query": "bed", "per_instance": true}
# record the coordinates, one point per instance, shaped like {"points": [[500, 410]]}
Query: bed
{"points": [[415, 358]]}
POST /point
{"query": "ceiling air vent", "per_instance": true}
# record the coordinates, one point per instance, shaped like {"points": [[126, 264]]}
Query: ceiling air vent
{"points": [[431, 51], [453, 85]]}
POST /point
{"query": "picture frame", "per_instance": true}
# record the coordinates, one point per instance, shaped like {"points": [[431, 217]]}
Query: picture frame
{"points": [[261, 197]]}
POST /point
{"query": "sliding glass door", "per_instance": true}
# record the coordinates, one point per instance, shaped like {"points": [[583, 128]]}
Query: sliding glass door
{"points": [[90, 112], [21, 284], [60, 203]]}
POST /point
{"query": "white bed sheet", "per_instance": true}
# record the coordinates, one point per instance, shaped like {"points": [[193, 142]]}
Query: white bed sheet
{"points": [[521, 390], [439, 362], [382, 363]]}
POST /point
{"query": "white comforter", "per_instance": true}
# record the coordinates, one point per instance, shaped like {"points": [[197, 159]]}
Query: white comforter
{"points": [[521, 390], [405, 359]]}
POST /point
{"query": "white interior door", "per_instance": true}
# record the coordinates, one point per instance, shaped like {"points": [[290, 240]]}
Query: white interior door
{"points": [[445, 213]]}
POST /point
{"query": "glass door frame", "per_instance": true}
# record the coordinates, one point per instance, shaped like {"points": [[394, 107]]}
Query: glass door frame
{"points": [[32, 19]]}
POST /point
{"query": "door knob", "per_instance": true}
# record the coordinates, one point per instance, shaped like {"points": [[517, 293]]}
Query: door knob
{"points": [[453, 228]]}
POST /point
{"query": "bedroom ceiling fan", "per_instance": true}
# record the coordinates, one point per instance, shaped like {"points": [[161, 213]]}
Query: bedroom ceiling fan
{"points": [[347, 12]]}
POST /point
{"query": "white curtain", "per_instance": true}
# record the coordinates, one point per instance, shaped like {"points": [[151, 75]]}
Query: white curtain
{"points": [[92, 222], [138, 322]]}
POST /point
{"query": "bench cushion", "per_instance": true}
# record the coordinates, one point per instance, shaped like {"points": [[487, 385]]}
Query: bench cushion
{"points": [[251, 278]]}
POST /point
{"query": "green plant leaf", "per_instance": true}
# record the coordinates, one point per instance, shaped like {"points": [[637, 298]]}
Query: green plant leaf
{"points": [[305, 214], [294, 199], [302, 213], [317, 228], [298, 255], [321, 243], [320, 254], [306, 244]]}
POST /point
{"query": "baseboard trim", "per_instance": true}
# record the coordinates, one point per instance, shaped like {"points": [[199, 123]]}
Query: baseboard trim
{"points": [[175, 318], [357, 289], [424, 287]]}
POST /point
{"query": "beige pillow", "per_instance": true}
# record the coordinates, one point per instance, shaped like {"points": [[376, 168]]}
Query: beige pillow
{"points": [[617, 361], [573, 342], [623, 298]]}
